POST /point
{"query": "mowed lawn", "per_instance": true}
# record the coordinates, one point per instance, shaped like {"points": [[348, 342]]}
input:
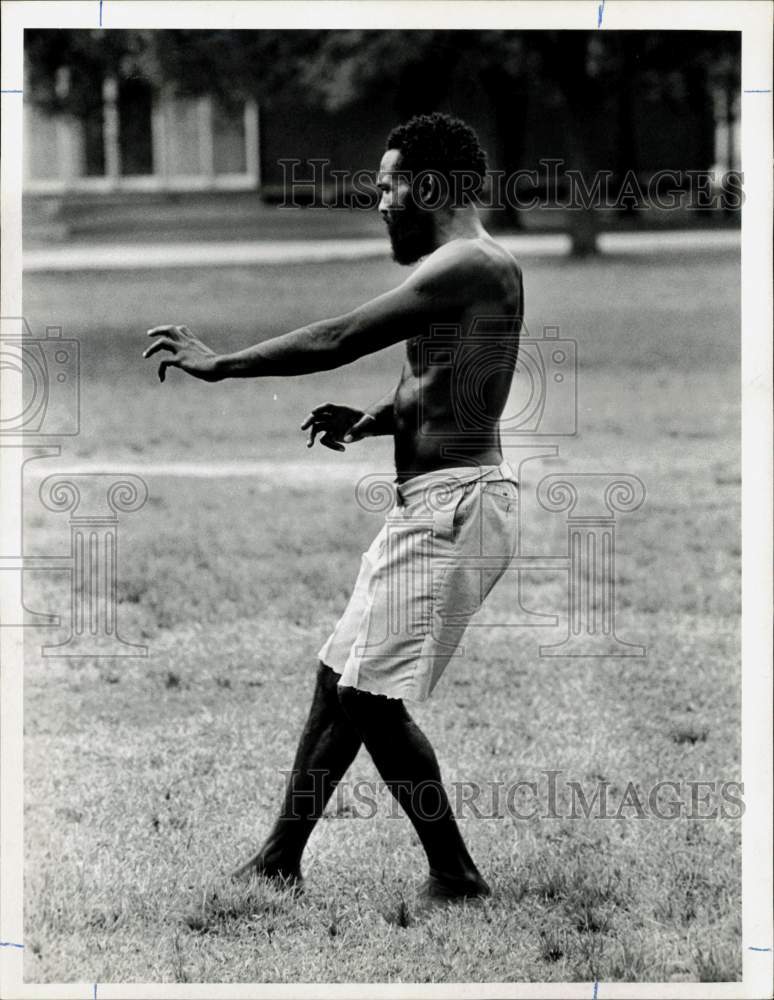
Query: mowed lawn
{"points": [[147, 779]]}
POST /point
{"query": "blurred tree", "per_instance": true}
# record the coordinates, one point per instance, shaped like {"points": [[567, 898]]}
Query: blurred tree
{"points": [[232, 65], [584, 68], [333, 69]]}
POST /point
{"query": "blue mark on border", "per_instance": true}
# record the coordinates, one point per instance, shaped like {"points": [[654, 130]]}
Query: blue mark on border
{"points": [[100, 13], [756, 91], [11, 91], [600, 15], [95, 985], [10, 944], [753, 948], [596, 984]]}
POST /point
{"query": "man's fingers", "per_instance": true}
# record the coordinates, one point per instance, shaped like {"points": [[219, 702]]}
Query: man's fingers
{"points": [[321, 426], [316, 426], [323, 410], [165, 331], [166, 363], [313, 418], [162, 344], [329, 442], [314, 430]]}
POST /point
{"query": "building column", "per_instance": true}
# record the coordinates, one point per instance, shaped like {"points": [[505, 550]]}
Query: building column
{"points": [[69, 134], [111, 131], [252, 141], [160, 137], [206, 140]]}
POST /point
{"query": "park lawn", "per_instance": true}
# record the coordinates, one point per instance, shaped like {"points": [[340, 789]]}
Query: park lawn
{"points": [[145, 780]]}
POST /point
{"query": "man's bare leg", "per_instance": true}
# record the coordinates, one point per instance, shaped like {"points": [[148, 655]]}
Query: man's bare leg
{"points": [[328, 745], [407, 764]]}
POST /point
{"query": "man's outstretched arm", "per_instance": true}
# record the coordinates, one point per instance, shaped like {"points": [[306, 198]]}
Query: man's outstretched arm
{"points": [[433, 292]]}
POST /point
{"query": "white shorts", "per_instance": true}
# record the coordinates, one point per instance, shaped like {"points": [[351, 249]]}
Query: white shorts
{"points": [[447, 540]]}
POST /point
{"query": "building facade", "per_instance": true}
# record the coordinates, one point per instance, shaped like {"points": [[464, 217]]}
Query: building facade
{"points": [[138, 139]]}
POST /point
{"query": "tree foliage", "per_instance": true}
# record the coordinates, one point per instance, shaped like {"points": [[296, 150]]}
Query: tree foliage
{"points": [[334, 68]]}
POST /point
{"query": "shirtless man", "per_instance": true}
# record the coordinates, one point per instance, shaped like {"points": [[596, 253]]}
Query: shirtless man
{"points": [[455, 497]]}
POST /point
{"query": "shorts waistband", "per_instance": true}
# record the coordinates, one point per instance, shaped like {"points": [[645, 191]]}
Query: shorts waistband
{"points": [[453, 477]]}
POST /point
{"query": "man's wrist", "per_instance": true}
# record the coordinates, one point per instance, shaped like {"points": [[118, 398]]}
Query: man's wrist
{"points": [[219, 367], [244, 364], [380, 423], [232, 366], [371, 428]]}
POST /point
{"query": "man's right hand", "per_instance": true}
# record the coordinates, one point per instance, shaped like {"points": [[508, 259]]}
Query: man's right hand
{"points": [[337, 424]]}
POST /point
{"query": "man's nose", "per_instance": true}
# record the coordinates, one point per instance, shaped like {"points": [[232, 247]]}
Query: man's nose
{"points": [[384, 207]]}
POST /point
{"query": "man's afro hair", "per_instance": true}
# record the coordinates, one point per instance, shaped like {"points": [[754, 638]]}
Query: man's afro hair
{"points": [[442, 144]]}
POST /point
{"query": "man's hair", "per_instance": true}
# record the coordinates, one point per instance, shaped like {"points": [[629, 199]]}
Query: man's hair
{"points": [[444, 145]]}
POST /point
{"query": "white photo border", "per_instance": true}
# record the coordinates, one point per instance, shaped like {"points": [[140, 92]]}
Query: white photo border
{"points": [[754, 21]]}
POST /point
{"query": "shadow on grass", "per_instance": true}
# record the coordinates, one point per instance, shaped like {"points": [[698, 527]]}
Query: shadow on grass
{"points": [[258, 901]]}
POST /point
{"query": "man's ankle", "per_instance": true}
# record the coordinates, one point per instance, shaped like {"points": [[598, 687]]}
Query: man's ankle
{"points": [[464, 883], [272, 864]]}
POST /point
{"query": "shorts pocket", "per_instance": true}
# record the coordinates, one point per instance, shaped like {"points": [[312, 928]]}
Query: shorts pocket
{"points": [[448, 519], [503, 494]]}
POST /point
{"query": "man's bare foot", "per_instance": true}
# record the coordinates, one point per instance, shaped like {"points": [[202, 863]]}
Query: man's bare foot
{"points": [[260, 865], [440, 888]]}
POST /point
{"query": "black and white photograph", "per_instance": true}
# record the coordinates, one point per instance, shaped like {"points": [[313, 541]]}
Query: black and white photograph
{"points": [[386, 500]]}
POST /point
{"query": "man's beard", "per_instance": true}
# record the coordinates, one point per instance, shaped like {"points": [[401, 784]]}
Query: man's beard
{"points": [[411, 234]]}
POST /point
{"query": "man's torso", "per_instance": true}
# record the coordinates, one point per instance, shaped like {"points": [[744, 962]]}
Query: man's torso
{"points": [[458, 371]]}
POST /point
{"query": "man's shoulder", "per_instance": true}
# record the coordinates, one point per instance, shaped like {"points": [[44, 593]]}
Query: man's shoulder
{"points": [[467, 260]]}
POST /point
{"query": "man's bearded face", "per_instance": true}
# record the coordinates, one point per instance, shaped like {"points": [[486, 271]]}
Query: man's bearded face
{"points": [[410, 227], [411, 232]]}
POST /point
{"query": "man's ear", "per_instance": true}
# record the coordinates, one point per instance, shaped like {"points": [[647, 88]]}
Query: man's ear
{"points": [[428, 189]]}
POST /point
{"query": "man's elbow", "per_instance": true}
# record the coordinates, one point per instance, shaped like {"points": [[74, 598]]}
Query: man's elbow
{"points": [[346, 342]]}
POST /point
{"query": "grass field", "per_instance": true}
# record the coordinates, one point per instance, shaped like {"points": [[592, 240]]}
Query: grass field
{"points": [[145, 780]]}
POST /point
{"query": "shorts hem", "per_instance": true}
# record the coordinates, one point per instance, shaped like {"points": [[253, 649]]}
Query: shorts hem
{"points": [[377, 689]]}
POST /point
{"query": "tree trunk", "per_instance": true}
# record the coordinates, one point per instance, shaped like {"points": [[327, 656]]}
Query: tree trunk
{"points": [[579, 101], [583, 223], [627, 144], [509, 104]]}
